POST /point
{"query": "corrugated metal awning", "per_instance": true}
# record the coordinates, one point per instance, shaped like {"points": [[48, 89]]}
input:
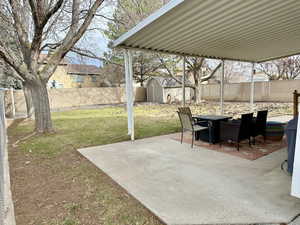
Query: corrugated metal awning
{"points": [[243, 30]]}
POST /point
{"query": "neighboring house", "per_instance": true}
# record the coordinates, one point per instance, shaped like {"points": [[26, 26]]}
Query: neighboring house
{"points": [[60, 78], [167, 90], [83, 76], [69, 75]]}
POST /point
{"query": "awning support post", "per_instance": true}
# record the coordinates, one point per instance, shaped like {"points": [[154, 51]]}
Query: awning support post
{"points": [[129, 91], [252, 88], [296, 169], [183, 82], [222, 88]]}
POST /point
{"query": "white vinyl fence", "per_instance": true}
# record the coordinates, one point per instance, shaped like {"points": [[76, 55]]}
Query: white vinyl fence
{"points": [[6, 204]]}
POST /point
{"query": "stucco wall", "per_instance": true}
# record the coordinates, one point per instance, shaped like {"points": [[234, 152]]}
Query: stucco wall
{"points": [[274, 91], [78, 97]]}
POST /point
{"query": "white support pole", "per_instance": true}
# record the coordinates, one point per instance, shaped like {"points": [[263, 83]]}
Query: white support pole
{"points": [[296, 169], [183, 82], [13, 102], [222, 88], [129, 91], [252, 88]]}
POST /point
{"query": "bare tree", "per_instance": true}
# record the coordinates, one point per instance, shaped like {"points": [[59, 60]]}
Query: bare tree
{"points": [[114, 74], [229, 71], [281, 69], [145, 66], [198, 69], [127, 14], [54, 24], [234, 71]]}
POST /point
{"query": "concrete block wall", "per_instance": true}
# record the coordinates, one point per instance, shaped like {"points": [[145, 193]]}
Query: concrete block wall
{"points": [[78, 97], [273, 91]]}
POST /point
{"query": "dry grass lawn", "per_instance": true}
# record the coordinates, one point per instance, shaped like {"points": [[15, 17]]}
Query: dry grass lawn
{"points": [[53, 185]]}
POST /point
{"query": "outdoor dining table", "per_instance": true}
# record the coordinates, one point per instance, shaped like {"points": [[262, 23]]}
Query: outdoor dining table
{"points": [[215, 127]]}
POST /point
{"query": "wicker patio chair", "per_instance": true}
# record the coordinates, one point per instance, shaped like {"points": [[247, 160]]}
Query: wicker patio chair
{"points": [[236, 130], [259, 125], [188, 111], [187, 123]]}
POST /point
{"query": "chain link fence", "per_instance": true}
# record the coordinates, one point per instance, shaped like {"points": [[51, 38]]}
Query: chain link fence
{"points": [[6, 205]]}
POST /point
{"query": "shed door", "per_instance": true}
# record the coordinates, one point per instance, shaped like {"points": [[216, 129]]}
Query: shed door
{"points": [[154, 92], [150, 92]]}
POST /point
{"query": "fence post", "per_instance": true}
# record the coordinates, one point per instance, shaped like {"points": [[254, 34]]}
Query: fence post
{"points": [[13, 102], [296, 95]]}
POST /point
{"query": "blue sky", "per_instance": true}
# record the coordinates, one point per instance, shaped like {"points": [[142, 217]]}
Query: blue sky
{"points": [[94, 40]]}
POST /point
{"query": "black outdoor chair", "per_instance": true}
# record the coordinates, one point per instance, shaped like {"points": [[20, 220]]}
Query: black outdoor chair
{"points": [[259, 125], [236, 130], [188, 124]]}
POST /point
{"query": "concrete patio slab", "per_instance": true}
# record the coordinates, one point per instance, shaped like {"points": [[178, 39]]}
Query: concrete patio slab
{"points": [[184, 186]]}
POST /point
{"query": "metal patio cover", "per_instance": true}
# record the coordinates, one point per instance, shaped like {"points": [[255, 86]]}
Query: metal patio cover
{"points": [[242, 30]]}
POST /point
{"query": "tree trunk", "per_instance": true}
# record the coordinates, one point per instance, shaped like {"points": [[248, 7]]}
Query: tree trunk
{"points": [[39, 93], [198, 91], [28, 100]]}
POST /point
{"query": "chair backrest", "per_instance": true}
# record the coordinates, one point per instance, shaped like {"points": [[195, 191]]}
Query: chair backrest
{"points": [[185, 110], [185, 120], [260, 123], [246, 124], [261, 119]]}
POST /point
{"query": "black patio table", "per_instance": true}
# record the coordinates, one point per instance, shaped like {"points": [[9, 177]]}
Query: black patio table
{"points": [[215, 127]]}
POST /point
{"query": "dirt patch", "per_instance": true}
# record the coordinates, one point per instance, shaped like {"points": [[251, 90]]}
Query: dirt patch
{"points": [[68, 190]]}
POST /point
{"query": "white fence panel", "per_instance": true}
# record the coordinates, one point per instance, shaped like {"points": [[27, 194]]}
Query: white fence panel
{"points": [[6, 204]]}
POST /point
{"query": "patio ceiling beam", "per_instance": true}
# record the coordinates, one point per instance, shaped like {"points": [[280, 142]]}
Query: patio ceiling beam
{"points": [[186, 54]]}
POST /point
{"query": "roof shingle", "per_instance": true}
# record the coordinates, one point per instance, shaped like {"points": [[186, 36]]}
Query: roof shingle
{"points": [[83, 69]]}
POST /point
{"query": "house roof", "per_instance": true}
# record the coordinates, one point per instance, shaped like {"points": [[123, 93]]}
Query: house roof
{"points": [[43, 57], [251, 31], [83, 69], [169, 82]]}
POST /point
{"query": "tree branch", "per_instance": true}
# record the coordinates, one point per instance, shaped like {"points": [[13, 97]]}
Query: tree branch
{"points": [[172, 75], [21, 31], [72, 37], [12, 62], [206, 78]]}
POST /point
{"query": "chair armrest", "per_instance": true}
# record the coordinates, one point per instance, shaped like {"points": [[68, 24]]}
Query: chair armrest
{"points": [[209, 124]]}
